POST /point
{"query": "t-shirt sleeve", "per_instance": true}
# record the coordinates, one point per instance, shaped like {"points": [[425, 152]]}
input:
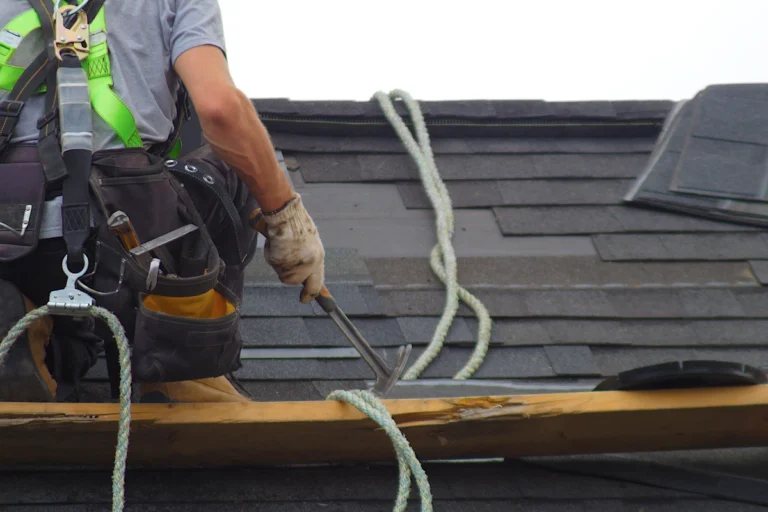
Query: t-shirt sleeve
{"points": [[196, 23]]}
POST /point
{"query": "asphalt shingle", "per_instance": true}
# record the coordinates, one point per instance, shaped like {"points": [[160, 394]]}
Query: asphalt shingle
{"points": [[508, 362], [345, 168], [572, 361], [561, 272], [421, 330], [274, 301], [297, 143], [379, 332], [760, 269], [662, 303], [560, 192], [470, 194], [582, 220], [271, 332], [700, 246], [413, 235], [614, 360]]}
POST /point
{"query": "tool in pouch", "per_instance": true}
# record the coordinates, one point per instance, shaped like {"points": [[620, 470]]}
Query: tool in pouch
{"points": [[72, 39], [386, 377]]}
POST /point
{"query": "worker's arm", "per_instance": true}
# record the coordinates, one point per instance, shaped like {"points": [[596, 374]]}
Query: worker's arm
{"points": [[230, 124]]}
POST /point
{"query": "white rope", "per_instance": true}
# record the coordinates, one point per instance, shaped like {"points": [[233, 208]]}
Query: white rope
{"points": [[442, 259], [408, 464]]}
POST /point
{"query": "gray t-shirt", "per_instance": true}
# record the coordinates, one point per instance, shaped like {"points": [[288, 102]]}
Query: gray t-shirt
{"points": [[145, 37]]}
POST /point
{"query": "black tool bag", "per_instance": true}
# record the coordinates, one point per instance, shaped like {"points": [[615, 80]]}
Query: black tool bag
{"points": [[185, 326], [22, 197]]}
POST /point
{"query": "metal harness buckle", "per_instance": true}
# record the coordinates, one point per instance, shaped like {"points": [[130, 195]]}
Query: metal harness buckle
{"points": [[70, 301], [76, 40]]}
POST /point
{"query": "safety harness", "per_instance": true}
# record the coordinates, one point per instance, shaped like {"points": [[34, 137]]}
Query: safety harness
{"points": [[77, 41], [40, 76], [156, 285]]}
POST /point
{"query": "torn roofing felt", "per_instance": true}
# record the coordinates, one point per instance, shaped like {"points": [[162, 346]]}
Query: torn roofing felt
{"points": [[711, 159]]}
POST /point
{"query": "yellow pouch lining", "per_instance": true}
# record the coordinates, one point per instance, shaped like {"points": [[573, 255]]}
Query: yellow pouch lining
{"points": [[211, 304]]}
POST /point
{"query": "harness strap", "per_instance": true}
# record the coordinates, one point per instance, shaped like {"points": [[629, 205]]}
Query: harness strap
{"points": [[105, 102], [11, 106], [48, 142], [171, 148], [10, 39], [50, 154], [206, 181]]}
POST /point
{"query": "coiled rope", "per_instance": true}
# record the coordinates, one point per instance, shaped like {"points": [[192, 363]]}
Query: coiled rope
{"points": [[442, 258], [124, 430]]}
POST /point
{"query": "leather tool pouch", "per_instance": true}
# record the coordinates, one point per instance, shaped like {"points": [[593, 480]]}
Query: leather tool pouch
{"points": [[21, 205], [186, 326]]}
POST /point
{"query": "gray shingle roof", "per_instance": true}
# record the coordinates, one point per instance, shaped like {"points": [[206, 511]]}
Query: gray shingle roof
{"points": [[580, 286]]}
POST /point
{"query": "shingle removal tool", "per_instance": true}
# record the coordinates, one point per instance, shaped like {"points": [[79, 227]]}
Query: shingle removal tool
{"points": [[386, 376]]}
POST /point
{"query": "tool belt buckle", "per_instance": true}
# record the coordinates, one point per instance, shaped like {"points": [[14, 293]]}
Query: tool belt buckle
{"points": [[76, 40], [70, 301]]}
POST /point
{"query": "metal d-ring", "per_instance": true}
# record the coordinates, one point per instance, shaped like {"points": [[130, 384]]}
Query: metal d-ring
{"points": [[74, 276]]}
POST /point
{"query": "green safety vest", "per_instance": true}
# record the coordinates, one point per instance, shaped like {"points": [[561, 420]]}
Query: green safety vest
{"points": [[103, 99]]}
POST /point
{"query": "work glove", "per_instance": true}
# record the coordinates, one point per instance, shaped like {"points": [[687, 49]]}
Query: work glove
{"points": [[294, 249]]}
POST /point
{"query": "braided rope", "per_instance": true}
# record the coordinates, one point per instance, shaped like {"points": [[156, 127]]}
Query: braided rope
{"points": [[442, 258], [123, 433], [407, 461]]}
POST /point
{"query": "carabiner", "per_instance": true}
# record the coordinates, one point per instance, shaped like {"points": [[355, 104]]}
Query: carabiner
{"points": [[72, 12]]}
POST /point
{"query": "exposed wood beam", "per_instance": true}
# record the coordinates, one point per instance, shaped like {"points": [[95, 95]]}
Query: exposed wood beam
{"points": [[314, 432]]}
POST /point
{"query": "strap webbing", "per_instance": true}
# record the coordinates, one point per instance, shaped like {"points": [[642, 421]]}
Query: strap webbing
{"points": [[104, 100], [14, 32], [50, 153], [11, 106], [216, 188], [75, 209], [171, 148]]}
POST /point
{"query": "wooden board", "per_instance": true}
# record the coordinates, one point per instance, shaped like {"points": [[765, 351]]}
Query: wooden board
{"points": [[315, 432]]}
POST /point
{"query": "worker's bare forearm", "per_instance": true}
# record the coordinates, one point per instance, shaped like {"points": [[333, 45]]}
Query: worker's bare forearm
{"points": [[231, 125], [239, 138]]}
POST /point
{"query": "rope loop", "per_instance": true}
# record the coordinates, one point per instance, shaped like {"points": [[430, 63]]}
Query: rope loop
{"points": [[408, 463], [124, 429], [442, 258]]}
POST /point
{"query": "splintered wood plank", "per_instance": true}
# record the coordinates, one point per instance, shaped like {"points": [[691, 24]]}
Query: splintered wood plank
{"points": [[183, 435]]}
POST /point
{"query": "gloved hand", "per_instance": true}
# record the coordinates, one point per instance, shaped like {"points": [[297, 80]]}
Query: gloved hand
{"points": [[294, 249]]}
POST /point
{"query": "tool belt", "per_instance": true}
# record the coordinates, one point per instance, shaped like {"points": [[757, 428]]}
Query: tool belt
{"points": [[176, 296], [183, 321]]}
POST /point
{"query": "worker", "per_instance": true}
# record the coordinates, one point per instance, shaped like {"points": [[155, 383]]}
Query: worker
{"points": [[182, 324]]}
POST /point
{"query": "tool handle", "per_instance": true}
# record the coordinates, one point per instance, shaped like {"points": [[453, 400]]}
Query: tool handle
{"points": [[121, 225], [325, 299], [257, 222]]}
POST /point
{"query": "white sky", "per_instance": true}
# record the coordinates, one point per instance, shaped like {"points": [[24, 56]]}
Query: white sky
{"points": [[482, 49]]}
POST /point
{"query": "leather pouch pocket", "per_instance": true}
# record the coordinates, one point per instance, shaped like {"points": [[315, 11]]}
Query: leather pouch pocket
{"points": [[186, 338], [145, 195], [22, 198]]}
